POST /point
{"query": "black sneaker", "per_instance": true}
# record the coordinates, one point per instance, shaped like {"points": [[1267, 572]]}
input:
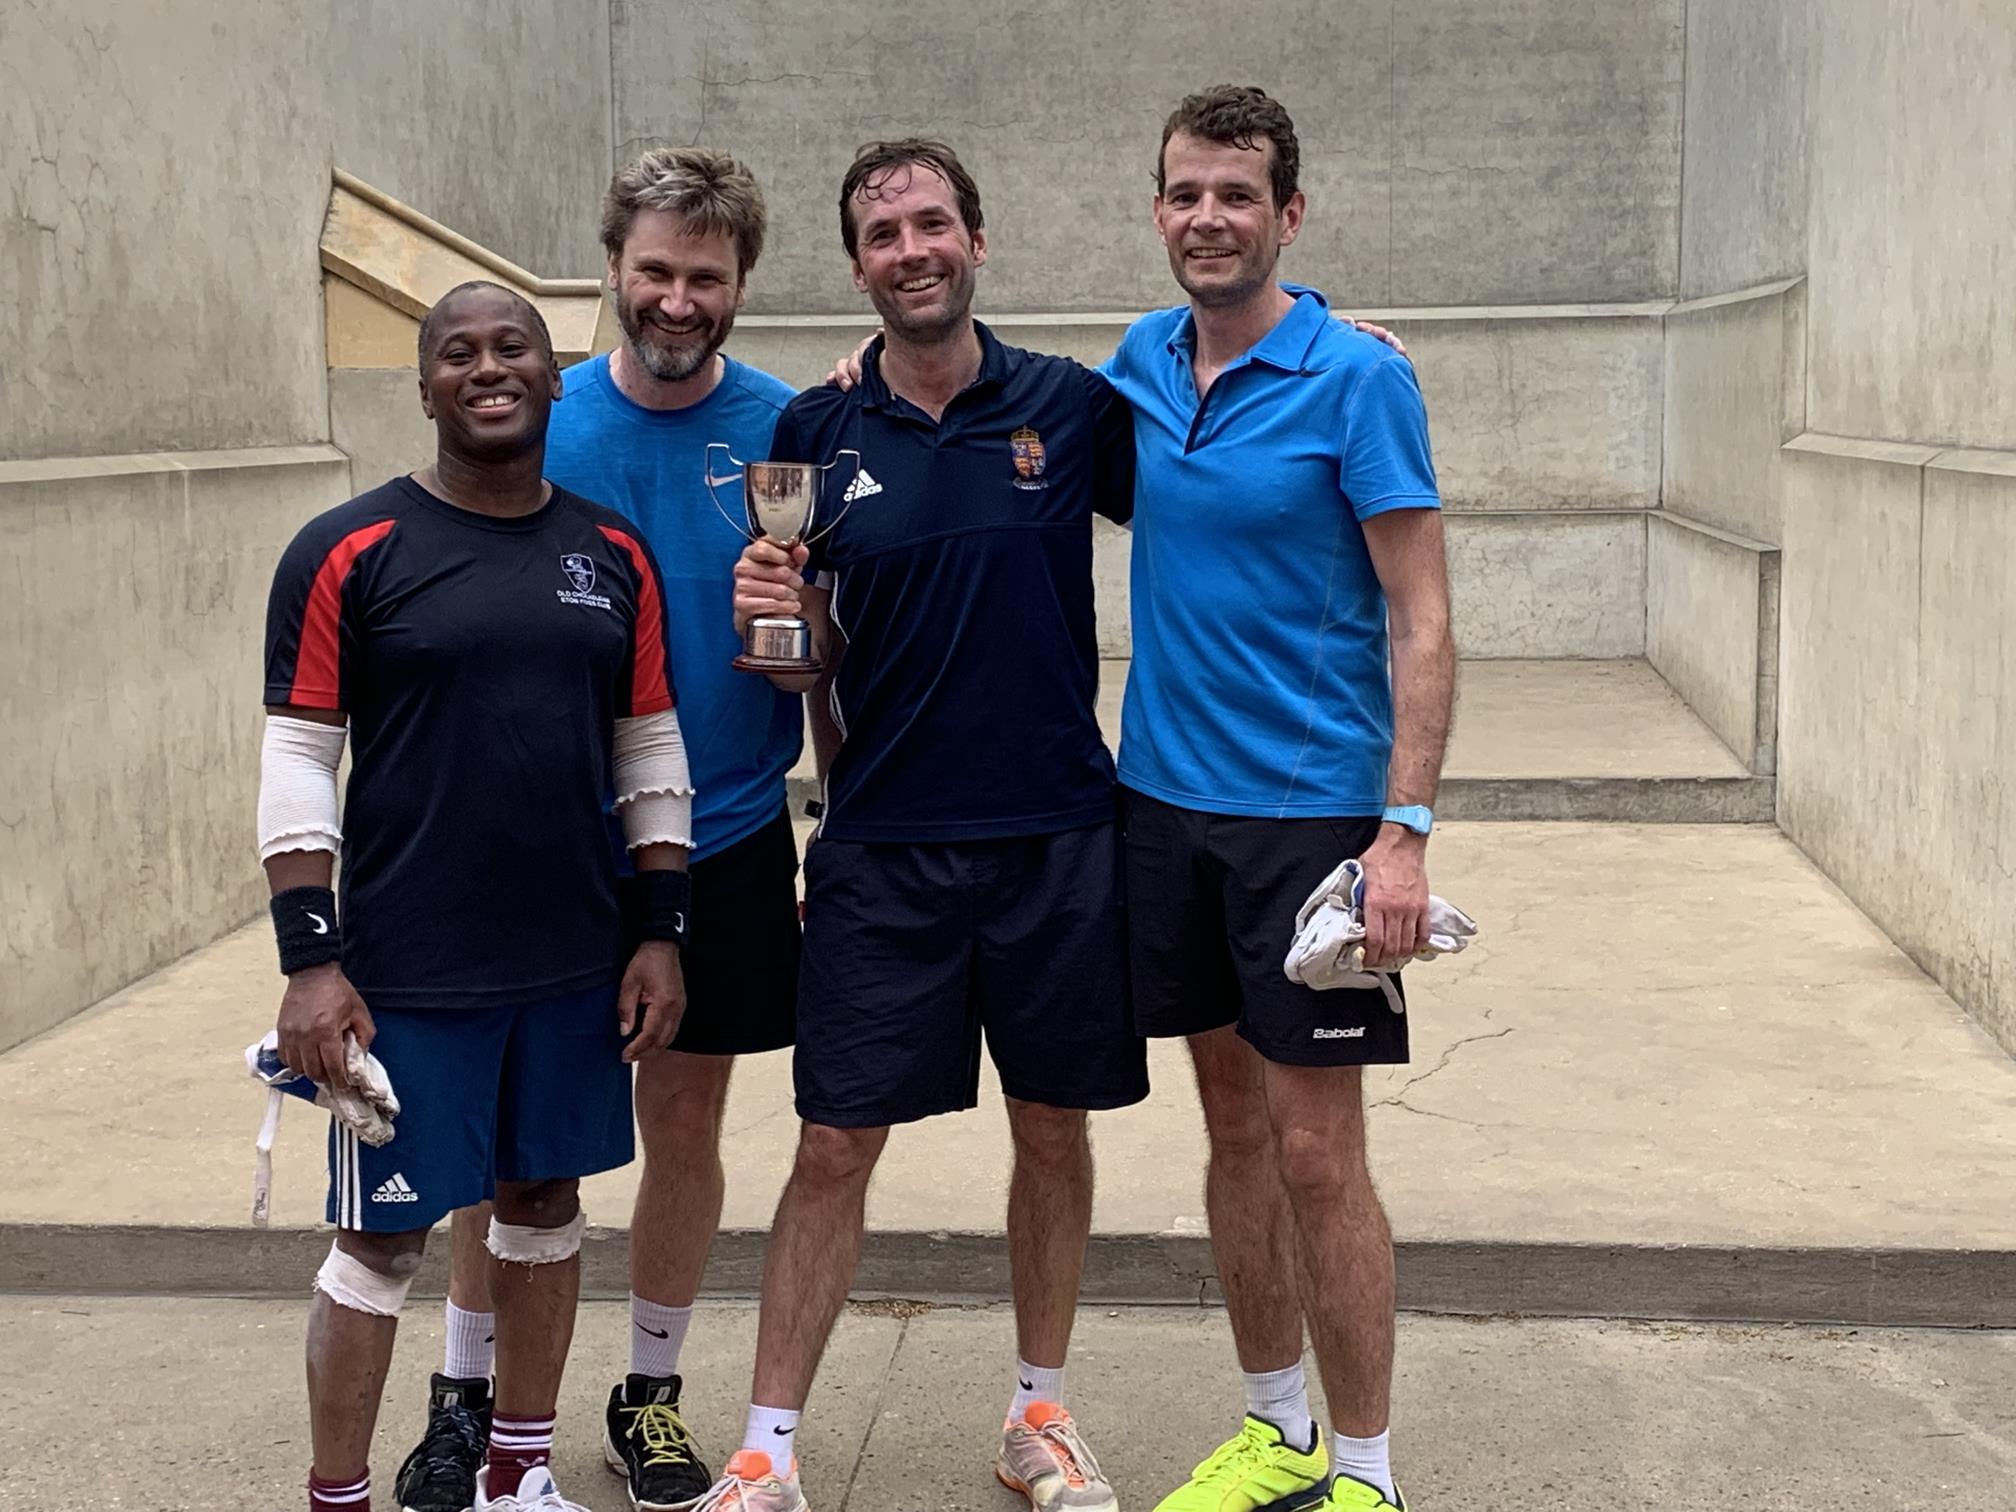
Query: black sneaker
{"points": [[440, 1474], [646, 1441]]}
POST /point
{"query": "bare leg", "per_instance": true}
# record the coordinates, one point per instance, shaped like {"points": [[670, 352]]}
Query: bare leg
{"points": [[534, 1303], [815, 1248], [1252, 1231], [1049, 1221], [469, 1274], [348, 1354], [1340, 1228], [680, 1102]]}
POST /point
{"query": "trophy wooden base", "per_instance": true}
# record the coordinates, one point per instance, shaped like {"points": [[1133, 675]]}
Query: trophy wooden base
{"points": [[774, 665]]}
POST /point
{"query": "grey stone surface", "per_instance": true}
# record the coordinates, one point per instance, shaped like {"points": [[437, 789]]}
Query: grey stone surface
{"points": [[165, 176], [1743, 174], [1734, 393], [1545, 584], [1899, 660], [514, 151], [375, 417], [1597, 1416], [1711, 630], [1536, 150], [134, 618], [1913, 180]]}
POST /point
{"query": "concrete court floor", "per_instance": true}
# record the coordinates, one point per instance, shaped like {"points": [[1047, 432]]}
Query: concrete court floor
{"points": [[1673, 1035], [163, 1404]]}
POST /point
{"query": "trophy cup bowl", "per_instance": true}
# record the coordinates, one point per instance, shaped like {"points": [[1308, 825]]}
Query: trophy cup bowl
{"points": [[781, 504]]}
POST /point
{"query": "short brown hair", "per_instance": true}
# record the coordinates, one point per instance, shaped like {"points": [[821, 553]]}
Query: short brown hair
{"points": [[711, 191], [875, 162], [1239, 115]]}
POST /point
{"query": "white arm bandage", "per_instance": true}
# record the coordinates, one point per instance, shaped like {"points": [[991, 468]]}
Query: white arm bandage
{"points": [[654, 793], [297, 786]]}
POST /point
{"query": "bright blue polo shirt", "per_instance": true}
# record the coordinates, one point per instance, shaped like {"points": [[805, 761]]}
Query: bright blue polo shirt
{"points": [[1259, 683], [962, 581], [742, 735]]}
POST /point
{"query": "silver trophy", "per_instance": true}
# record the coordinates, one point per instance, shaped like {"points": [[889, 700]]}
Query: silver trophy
{"points": [[781, 504]]}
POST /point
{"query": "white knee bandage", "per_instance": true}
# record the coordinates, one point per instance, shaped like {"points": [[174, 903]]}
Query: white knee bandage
{"points": [[537, 1246], [349, 1282]]}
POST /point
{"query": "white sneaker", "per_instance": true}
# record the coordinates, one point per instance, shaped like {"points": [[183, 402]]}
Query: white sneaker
{"points": [[537, 1492]]}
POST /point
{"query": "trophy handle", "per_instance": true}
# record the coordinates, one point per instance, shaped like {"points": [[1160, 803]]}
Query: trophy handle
{"points": [[845, 503], [721, 446]]}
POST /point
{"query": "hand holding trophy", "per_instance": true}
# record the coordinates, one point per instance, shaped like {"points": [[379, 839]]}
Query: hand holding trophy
{"points": [[781, 504]]}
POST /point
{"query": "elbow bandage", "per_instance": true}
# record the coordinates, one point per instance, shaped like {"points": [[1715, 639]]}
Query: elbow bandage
{"points": [[654, 791], [297, 786]]}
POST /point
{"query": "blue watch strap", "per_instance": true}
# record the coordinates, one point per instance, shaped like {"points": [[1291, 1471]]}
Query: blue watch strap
{"points": [[1416, 817]]}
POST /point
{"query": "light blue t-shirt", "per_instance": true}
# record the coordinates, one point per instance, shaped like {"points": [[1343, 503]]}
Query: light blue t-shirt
{"points": [[1259, 684], [742, 735]]}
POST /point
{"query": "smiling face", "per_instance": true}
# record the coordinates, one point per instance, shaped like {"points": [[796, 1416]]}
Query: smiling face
{"points": [[676, 294], [488, 378], [914, 257], [1217, 218]]}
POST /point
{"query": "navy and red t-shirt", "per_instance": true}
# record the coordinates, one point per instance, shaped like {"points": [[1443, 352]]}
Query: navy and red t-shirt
{"points": [[482, 663]]}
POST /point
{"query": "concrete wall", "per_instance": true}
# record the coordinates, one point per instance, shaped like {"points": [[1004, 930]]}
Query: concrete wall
{"points": [[132, 604], [1913, 196], [160, 221], [1454, 151], [1711, 629]]}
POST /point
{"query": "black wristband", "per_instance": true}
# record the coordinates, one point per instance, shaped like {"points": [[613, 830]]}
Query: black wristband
{"points": [[304, 920], [655, 905]]}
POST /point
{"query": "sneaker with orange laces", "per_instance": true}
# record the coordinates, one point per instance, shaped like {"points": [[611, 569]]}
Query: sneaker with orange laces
{"points": [[1043, 1457], [751, 1483]]}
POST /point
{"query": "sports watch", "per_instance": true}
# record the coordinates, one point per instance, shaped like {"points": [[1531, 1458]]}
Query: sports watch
{"points": [[1417, 817]]}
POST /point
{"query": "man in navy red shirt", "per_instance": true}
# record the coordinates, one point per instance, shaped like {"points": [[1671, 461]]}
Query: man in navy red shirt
{"points": [[495, 648], [964, 883]]}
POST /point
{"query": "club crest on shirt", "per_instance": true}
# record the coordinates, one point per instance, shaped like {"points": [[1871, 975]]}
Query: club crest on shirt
{"points": [[1026, 447], [580, 570]]}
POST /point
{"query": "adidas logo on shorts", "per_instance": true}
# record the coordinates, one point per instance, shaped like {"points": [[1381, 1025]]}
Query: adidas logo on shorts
{"points": [[1357, 1033], [394, 1189]]}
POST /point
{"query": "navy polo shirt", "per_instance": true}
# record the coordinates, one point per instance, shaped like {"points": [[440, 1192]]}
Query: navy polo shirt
{"points": [[1259, 683], [961, 576]]}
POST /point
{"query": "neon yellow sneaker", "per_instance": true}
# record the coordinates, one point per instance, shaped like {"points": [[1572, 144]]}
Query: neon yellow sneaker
{"points": [[1352, 1495], [1256, 1471]]}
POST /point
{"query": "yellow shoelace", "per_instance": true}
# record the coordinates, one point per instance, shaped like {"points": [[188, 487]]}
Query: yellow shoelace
{"points": [[666, 1440]]}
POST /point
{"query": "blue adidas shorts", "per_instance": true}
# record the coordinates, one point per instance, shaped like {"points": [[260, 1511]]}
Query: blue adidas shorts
{"points": [[535, 1092]]}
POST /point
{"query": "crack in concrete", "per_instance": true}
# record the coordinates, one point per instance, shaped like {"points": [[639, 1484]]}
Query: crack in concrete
{"points": [[1441, 1065]]}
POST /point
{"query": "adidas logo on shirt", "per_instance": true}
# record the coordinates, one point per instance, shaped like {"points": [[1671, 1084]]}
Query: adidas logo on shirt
{"points": [[394, 1189], [862, 486]]}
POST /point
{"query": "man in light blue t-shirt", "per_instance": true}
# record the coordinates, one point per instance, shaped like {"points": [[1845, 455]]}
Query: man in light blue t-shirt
{"points": [[1285, 514], [682, 228]]}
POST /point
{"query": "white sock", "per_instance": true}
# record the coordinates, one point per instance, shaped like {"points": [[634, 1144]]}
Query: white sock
{"points": [[472, 1345], [772, 1431], [1281, 1397], [656, 1332], [1033, 1383], [1363, 1459]]}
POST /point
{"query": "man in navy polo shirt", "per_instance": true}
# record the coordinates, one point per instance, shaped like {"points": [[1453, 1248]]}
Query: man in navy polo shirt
{"points": [[1287, 514], [964, 884]]}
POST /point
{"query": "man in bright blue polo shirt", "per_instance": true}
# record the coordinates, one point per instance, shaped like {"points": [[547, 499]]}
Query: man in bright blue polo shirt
{"points": [[1286, 514], [682, 229], [964, 887]]}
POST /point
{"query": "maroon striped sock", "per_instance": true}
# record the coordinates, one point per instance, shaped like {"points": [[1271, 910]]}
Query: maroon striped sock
{"points": [[339, 1496], [517, 1444]]}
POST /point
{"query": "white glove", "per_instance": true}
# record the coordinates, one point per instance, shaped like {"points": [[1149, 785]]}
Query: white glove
{"points": [[1329, 946], [366, 1107]]}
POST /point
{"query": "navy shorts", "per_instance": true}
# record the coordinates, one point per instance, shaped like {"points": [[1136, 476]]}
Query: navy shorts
{"points": [[1212, 902], [914, 953], [741, 966], [535, 1092]]}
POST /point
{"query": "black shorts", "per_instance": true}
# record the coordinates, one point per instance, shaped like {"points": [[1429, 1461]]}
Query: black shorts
{"points": [[912, 952], [1212, 900], [742, 965]]}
